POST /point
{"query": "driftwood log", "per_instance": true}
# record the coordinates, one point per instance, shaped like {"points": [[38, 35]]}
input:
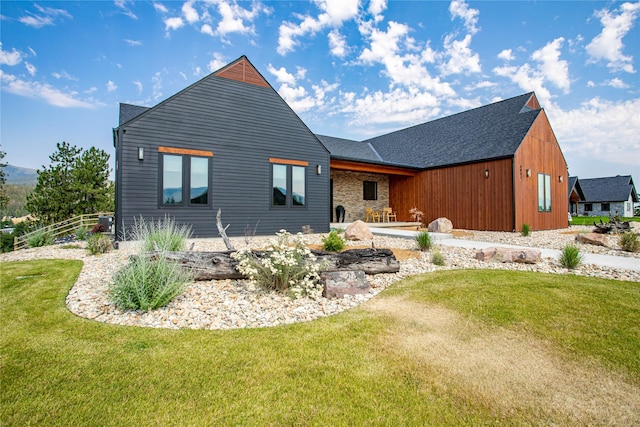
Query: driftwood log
{"points": [[220, 265], [613, 226]]}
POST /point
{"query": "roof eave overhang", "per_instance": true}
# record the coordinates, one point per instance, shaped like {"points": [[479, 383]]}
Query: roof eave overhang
{"points": [[359, 166]]}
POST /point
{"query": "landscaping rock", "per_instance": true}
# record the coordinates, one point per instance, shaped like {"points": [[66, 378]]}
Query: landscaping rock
{"points": [[520, 255], [337, 284], [440, 225], [592, 239], [359, 230]]}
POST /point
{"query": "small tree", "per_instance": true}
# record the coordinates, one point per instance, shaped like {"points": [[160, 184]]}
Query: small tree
{"points": [[74, 183], [4, 200]]}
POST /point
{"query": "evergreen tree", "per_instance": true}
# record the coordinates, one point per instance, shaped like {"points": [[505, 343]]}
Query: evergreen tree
{"points": [[3, 193], [75, 183]]}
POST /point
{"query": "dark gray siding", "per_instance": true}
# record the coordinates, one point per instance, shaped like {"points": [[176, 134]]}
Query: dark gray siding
{"points": [[244, 125]]}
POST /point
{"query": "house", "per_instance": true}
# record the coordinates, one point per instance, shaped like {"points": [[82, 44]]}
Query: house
{"points": [[495, 167], [609, 196], [576, 195], [228, 142]]}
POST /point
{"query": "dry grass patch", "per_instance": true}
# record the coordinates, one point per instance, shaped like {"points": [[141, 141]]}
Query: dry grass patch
{"points": [[510, 371]]}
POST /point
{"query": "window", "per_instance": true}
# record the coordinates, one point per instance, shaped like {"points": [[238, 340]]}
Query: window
{"points": [[605, 207], [172, 180], [289, 185], [588, 207], [370, 190], [184, 178], [544, 192]]}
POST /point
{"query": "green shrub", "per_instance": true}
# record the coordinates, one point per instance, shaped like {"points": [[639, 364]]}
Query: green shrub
{"points": [[424, 240], [162, 235], [437, 258], [571, 257], [282, 267], [333, 242], [629, 242], [146, 284], [526, 230], [99, 244], [81, 232], [41, 237], [6, 242]]}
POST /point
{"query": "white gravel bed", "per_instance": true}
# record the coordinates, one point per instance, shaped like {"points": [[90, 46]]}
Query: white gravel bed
{"points": [[226, 304]]}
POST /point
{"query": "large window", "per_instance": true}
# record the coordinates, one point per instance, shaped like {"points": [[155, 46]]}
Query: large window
{"points": [[605, 207], [588, 207], [370, 190], [184, 179], [544, 192], [288, 184]]}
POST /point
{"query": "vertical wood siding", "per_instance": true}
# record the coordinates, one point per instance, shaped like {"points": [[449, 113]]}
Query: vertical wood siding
{"points": [[460, 193], [244, 125], [540, 153]]}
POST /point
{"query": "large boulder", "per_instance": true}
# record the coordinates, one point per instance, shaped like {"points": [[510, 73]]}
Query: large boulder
{"points": [[440, 225], [359, 230], [519, 255], [337, 284], [592, 239]]}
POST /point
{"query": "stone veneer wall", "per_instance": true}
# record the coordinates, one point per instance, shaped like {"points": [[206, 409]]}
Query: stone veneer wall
{"points": [[348, 192]]}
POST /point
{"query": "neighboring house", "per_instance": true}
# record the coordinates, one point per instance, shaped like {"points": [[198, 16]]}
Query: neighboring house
{"points": [[609, 196], [495, 167], [576, 195], [228, 142]]}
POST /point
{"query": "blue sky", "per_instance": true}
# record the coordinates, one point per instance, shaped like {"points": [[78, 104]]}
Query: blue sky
{"points": [[349, 68]]}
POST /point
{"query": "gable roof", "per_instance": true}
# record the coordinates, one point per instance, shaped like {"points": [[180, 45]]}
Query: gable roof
{"points": [[347, 149], [609, 189], [574, 185], [489, 132], [129, 111]]}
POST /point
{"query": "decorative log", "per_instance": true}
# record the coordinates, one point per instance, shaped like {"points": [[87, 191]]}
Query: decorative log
{"points": [[613, 226], [220, 265]]}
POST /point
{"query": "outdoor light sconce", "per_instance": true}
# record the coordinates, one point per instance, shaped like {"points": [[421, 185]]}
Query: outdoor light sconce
{"points": [[528, 173], [486, 173], [140, 153], [560, 178], [318, 169]]}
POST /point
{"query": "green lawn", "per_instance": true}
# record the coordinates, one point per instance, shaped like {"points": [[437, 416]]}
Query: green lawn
{"points": [[589, 220], [58, 369]]}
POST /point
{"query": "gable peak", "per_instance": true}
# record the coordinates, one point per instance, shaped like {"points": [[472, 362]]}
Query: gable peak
{"points": [[242, 70]]}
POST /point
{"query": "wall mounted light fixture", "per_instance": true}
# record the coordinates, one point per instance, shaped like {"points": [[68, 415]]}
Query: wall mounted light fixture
{"points": [[318, 169], [140, 153], [560, 178], [486, 173], [528, 173]]}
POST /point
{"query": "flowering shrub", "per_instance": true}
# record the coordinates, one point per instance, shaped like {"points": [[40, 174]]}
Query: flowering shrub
{"points": [[283, 266]]}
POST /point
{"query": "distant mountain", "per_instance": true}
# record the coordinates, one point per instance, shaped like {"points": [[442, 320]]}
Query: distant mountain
{"points": [[20, 176]]}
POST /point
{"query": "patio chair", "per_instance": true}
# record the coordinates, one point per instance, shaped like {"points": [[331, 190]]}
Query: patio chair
{"points": [[372, 215], [388, 214]]}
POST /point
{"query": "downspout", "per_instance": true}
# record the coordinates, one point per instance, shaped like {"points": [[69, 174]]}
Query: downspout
{"points": [[116, 203]]}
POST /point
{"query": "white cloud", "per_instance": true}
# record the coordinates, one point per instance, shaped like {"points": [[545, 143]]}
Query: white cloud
{"points": [[10, 58], [460, 9], [337, 43], [461, 57], [591, 84], [122, 4], [335, 12], [217, 62], [282, 75], [600, 129], [173, 23], [159, 7], [157, 85], [551, 66], [189, 12], [46, 92], [45, 16], [506, 55], [376, 7], [132, 42], [64, 75], [197, 70], [138, 85], [31, 69], [616, 83], [528, 79], [111, 86], [608, 44], [206, 29]]}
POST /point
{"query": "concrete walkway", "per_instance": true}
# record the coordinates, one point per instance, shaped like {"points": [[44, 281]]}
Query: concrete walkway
{"points": [[626, 263]]}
